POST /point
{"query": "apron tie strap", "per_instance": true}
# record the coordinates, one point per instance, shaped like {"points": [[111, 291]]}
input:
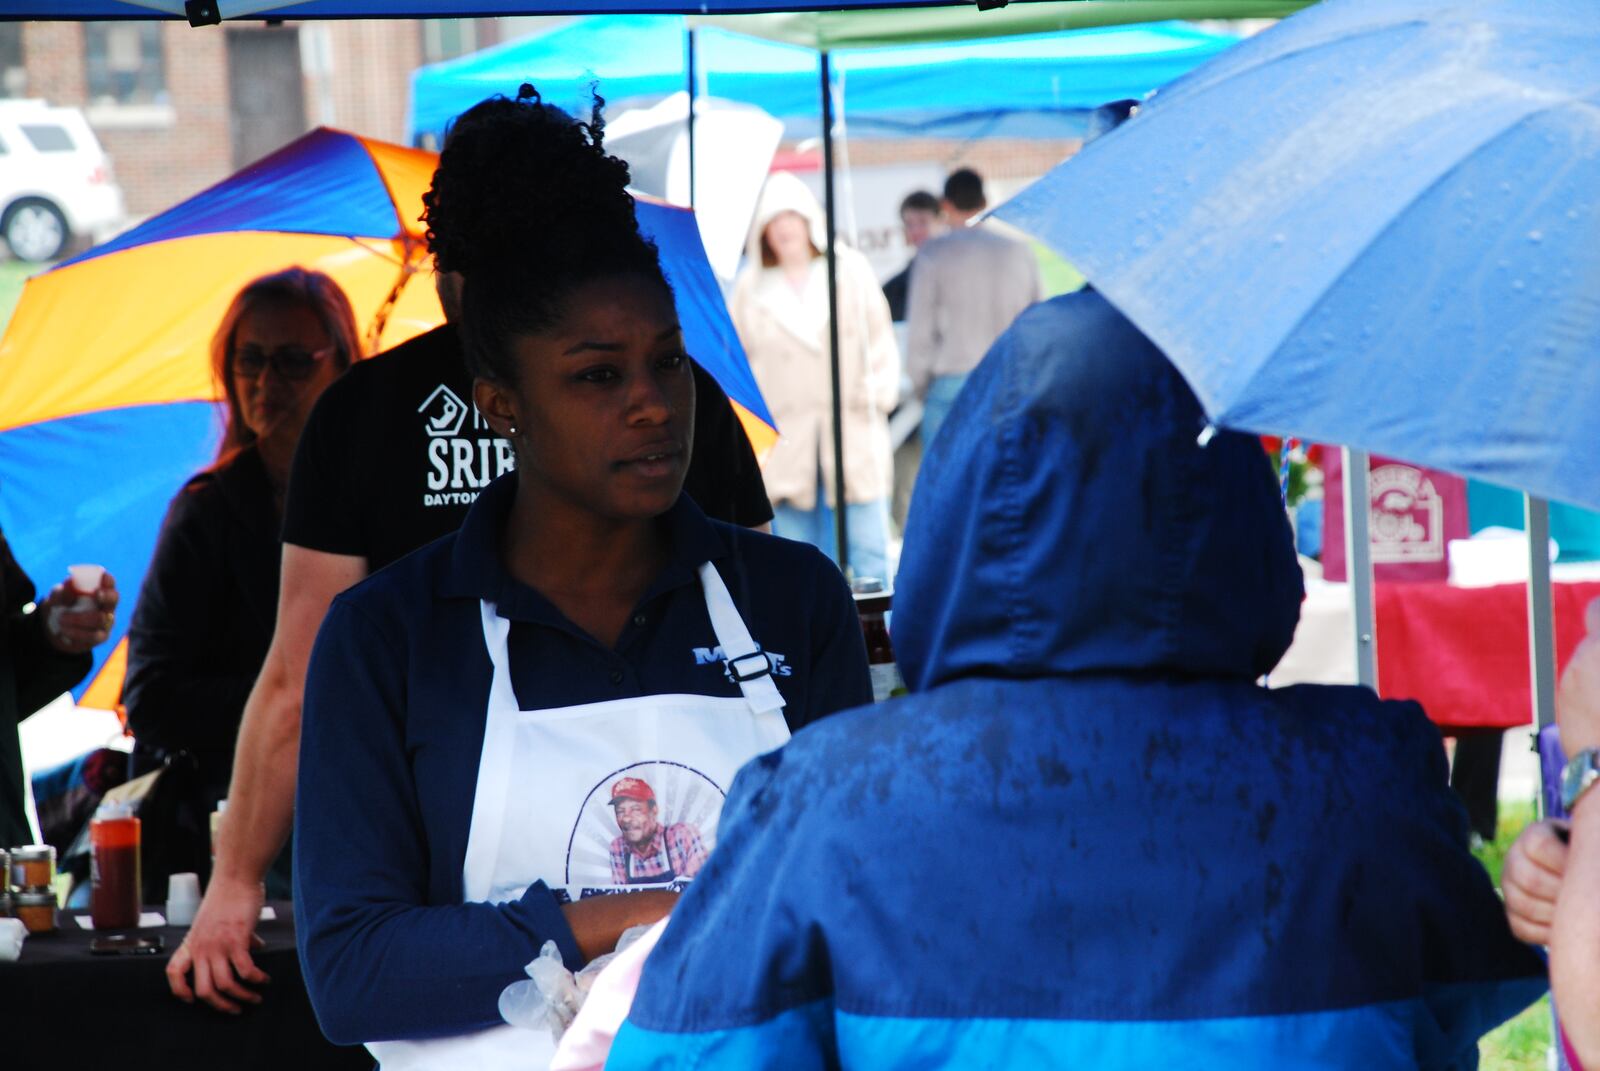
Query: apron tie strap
{"points": [[751, 670]]}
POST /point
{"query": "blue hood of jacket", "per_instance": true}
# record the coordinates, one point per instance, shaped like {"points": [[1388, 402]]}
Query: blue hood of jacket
{"points": [[1077, 526]]}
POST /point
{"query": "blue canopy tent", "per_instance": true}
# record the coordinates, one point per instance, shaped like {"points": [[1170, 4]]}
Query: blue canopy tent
{"points": [[1038, 85]]}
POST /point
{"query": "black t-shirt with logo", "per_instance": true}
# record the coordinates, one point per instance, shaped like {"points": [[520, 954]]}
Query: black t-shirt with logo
{"points": [[394, 452]]}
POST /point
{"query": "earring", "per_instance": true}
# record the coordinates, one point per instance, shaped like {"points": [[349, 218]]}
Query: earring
{"points": [[512, 430]]}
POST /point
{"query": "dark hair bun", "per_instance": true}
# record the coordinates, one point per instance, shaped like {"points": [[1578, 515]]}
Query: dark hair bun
{"points": [[527, 205]]}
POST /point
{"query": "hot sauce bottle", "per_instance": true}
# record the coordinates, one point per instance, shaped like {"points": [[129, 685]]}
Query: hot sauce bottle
{"points": [[114, 868]]}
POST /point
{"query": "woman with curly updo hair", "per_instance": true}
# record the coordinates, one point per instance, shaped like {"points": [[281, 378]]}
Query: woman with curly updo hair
{"points": [[549, 705]]}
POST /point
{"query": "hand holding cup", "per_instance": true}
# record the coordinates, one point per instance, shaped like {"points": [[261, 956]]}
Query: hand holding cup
{"points": [[80, 611]]}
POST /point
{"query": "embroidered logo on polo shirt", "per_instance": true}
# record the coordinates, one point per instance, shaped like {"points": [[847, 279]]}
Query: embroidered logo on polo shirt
{"points": [[713, 656], [459, 466]]}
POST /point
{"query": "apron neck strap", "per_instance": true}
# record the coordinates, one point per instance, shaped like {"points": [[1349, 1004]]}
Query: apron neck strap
{"points": [[742, 656]]}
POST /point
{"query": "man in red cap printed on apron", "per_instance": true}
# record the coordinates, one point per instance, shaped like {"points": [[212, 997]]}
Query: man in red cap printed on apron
{"points": [[646, 853]]}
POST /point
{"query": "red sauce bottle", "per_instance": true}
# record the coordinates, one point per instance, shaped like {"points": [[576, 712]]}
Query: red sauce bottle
{"points": [[114, 883]]}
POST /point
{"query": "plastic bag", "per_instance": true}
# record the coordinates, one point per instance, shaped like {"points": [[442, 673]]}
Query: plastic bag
{"points": [[550, 998]]}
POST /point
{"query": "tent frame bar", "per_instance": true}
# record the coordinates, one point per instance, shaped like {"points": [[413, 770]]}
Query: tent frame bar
{"points": [[691, 42], [841, 526], [1541, 611], [1358, 555]]}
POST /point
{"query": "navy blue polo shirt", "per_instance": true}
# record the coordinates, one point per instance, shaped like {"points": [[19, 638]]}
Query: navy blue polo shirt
{"points": [[392, 732]]}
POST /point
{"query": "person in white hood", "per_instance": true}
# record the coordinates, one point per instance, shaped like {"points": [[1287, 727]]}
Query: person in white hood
{"points": [[780, 308]]}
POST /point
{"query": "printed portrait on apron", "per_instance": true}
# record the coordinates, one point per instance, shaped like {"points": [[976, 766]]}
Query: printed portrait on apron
{"points": [[649, 824]]}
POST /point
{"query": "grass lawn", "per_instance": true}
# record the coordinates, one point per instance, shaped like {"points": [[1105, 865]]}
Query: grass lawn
{"points": [[1521, 1044], [12, 275]]}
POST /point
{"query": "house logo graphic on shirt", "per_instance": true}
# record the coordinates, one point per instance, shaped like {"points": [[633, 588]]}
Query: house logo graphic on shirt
{"points": [[443, 413], [460, 462]]}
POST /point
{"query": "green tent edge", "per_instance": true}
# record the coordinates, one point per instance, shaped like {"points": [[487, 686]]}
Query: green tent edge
{"points": [[879, 27]]}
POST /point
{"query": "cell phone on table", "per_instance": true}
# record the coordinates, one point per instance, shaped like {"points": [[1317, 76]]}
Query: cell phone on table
{"points": [[127, 944]]}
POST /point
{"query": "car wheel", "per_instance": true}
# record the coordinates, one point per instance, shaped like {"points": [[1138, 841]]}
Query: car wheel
{"points": [[35, 230]]}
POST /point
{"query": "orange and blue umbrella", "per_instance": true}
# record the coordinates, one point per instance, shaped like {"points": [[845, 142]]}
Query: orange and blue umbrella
{"points": [[107, 403]]}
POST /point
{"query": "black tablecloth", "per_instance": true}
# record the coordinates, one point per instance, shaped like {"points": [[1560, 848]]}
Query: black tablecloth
{"points": [[62, 1005]]}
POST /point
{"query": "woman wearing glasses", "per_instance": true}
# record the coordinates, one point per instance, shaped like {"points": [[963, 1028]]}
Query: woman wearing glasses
{"points": [[205, 615]]}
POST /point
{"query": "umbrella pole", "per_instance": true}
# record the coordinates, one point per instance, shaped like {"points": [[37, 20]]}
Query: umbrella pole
{"points": [[1358, 556], [381, 319], [690, 41], [841, 527], [1541, 616]]}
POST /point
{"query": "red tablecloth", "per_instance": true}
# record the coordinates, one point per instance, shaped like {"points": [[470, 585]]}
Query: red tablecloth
{"points": [[1463, 652]]}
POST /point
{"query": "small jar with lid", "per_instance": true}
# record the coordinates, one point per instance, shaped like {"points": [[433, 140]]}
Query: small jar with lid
{"points": [[37, 910], [33, 868]]}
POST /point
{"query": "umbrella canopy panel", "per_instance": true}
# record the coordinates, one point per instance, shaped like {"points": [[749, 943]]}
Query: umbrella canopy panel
{"points": [[1375, 225]]}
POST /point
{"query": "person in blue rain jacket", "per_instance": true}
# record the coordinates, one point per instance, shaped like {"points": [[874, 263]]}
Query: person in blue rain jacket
{"points": [[1090, 838]]}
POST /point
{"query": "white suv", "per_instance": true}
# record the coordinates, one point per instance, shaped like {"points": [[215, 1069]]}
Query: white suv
{"points": [[55, 181]]}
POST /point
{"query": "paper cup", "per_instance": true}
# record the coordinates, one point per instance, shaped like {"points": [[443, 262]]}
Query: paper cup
{"points": [[183, 898], [86, 578]]}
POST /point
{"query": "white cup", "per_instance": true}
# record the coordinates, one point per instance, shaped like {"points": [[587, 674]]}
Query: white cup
{"points": [[86, 582], [183, 898], [86, 578]]}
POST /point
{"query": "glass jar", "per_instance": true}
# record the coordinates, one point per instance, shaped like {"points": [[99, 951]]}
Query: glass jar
{"points": [[33, 867], [37, 910]]}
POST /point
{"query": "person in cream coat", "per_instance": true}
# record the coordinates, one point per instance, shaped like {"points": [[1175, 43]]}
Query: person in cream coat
{"points": [[780, 308]]}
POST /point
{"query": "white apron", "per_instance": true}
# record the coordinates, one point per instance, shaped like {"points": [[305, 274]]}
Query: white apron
{"points": [[542, 810]]}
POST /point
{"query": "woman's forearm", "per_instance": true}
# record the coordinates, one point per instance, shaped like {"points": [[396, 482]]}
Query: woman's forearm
{"points": [[1575, 936]]}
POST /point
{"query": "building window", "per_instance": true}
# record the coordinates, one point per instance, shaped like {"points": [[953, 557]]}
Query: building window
{"points": [[444, 39], [125, 63], [13, 69]]}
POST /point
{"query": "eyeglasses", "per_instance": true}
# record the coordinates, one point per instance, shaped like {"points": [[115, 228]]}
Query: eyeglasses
{"points": [[289, 362]]}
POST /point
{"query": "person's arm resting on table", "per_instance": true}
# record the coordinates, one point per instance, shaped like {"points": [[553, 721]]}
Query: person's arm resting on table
{"points": [[261, 796]]}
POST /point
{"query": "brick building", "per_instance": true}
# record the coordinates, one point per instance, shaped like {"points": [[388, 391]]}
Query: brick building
{"points": [[178, 108]]}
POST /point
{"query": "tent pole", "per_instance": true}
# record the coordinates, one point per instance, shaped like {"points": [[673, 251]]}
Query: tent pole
{"points": [[690, 43], [841, 527], [1358, 555], [1541, 617]]}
